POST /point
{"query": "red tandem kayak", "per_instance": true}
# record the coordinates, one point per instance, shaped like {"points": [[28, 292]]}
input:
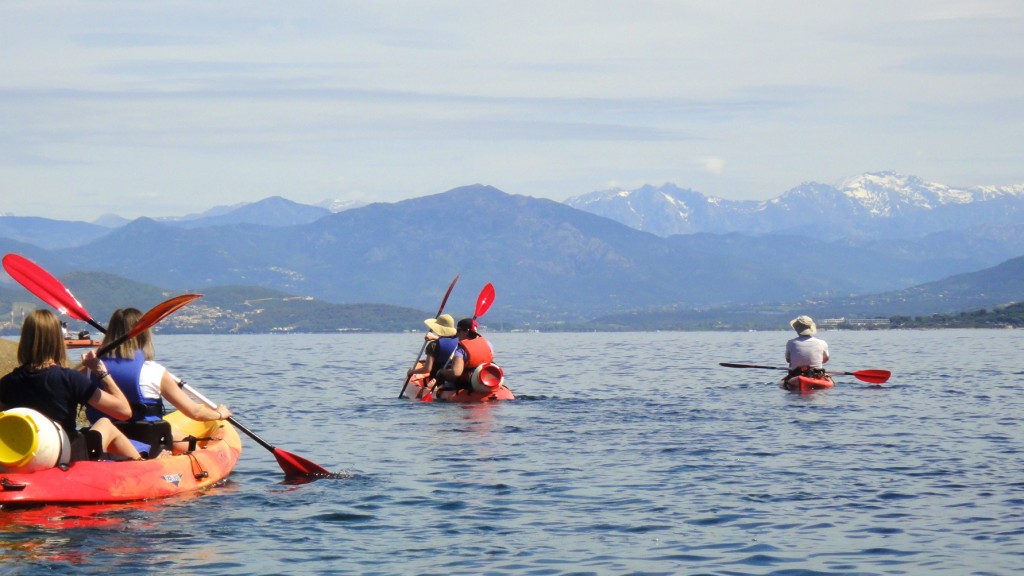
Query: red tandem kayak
{"points": [[213, 456], [488, 386]]}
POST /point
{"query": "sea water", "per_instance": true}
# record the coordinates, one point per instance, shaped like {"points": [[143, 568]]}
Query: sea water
{"points": [[631, 453]]}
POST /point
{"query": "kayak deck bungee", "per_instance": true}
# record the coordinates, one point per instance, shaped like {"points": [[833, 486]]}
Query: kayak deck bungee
{"points": [[213, 455]]}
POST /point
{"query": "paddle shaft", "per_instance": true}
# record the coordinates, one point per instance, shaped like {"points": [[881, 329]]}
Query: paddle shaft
{"points": [[94, 324], [731, 365], [292, 464], [231, 419]]}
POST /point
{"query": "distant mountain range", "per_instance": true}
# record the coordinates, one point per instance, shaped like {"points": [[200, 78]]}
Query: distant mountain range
{"points": [[986, 289], [879, 206], [554, 265], [273, 212]]}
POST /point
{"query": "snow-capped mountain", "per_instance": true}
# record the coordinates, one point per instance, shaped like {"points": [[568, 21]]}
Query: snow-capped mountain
{"points": [[336, 205], [884, 204], [663, 210]]}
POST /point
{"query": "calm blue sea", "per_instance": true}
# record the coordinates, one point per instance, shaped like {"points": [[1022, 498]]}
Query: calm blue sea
{"points": [[625, 454]]}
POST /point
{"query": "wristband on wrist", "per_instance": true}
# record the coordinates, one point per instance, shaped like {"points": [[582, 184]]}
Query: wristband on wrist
{"points": [[102, 375]]}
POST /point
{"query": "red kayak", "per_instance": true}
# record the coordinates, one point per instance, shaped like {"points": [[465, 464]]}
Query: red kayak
{"points": [[81, 343], [806, 385], [488, 386], [188, 468]]}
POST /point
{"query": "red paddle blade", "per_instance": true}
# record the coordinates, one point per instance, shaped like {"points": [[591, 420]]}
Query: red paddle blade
{"points": [[873, 376], [484, 300], [297, 465], [45, 286], [161, 311], [155, 314]]}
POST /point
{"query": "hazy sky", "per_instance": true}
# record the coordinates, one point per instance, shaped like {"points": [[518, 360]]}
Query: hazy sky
{"points": [[168, 108]]}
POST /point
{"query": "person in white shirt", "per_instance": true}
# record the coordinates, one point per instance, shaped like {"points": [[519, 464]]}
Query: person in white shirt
{"points": [[806, 354]]}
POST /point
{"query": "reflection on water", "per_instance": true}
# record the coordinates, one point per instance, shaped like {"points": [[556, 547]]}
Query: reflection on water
{"points": [[54, 533], [624, 453]]}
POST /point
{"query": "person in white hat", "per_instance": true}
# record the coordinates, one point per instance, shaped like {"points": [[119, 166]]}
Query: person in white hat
{"points": [[806, 354], [442, 342]]}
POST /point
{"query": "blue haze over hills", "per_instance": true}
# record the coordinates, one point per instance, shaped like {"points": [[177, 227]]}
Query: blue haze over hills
{"points": [[877, 244]]}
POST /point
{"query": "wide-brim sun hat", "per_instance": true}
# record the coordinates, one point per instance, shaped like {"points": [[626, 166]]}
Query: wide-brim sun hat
{"points": [[803, 325], [443, 325]]}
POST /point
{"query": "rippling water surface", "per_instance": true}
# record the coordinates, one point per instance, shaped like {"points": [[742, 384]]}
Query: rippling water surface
{"points": [[625, 453]]}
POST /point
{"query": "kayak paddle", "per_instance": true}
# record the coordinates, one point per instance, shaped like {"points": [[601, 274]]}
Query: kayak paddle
{"points": [[50, 290], [424, 347], [291, 464], [872, 376]]}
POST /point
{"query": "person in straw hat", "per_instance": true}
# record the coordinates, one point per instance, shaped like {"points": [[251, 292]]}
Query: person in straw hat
{"points": [[442, 342], [806, 354]]}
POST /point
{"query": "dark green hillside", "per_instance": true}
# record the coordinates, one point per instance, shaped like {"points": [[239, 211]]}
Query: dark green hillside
{"points": [[101, 293], [222, 310], [1011, 316], [248, 309]]}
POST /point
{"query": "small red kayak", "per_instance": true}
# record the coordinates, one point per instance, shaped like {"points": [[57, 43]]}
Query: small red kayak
{"points": [[81, 343], [488, 386], [806, 385], [501, 393]]}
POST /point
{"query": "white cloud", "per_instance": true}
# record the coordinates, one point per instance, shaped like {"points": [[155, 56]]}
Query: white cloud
{"points": [[712, 165], [237, 101]]}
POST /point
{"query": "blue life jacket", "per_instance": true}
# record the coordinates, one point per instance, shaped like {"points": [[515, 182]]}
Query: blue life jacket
{"points": [[126, 373], [443, 351]]}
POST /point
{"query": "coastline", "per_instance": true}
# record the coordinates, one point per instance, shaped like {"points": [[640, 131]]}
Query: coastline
{"points": [[8, 356]]}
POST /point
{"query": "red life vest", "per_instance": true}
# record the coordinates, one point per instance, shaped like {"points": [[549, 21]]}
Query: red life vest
{"points": [[478, 351]]}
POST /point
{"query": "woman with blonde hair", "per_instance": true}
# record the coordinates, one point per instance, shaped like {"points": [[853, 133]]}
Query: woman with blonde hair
{"points": [[143, 381], [44, 382]]}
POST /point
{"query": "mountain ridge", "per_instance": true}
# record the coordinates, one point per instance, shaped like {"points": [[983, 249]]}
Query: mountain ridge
{"points": [[879, 204], [551, 263]]}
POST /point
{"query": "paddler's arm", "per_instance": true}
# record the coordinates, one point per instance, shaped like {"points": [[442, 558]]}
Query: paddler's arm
{"points": [[426, 366], [170, 389], [108, 397], [454, 371]]}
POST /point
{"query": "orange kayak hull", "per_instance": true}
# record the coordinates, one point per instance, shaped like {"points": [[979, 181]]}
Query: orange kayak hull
{"points": [[805, 385], [418, 390], [104, 481], [76, 343]]}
